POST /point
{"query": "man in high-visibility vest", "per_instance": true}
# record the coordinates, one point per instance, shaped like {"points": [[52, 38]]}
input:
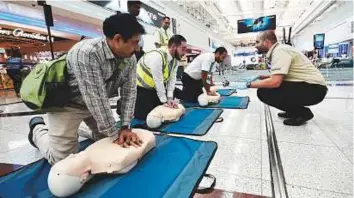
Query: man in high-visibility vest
{"points": [[156, 77], [163, 35]]}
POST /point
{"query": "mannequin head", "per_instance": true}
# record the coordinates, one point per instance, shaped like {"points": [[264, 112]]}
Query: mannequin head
{"points": [[162, 114], [68, 175], [203, 100]]}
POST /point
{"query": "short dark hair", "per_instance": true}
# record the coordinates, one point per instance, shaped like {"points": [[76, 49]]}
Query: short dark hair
{"points": [[269, 35], [166, 17], [130, 3], [221, 50], [177, 40], [123, 24]]}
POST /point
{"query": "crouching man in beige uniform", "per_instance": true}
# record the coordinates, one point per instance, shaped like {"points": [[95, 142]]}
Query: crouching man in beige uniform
{"points": [[294, 81]]}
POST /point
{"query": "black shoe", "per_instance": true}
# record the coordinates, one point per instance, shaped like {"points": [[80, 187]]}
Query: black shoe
{"points": [[285, 115], [33, 122], [298, 120]]}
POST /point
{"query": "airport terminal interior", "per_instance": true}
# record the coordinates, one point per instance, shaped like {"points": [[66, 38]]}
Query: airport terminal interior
{"points": [[238, 147]]}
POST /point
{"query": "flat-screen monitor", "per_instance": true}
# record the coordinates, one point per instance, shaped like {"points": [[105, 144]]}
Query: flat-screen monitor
{"points": [[256, 24], [318, 41], [147, 14]]}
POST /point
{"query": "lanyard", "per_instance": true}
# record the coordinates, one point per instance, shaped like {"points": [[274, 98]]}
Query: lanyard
{"points": [[211, 67]]}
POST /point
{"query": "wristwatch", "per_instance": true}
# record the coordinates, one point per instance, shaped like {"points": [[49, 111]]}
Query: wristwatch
{"points": [[125, 127], [248, 84]]}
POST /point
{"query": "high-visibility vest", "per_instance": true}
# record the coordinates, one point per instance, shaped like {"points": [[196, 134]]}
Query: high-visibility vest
{"points": [[164, 37], [144, 75]]}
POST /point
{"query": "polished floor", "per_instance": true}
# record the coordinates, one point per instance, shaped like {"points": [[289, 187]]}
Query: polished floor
{"points": [[317, 157]]}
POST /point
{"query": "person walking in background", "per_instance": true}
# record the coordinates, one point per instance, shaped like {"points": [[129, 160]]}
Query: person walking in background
{"points": [[13, 68]]}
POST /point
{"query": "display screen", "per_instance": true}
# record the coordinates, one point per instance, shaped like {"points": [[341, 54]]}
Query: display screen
{"points": [[318, 41], [147, 14], [256, 25], [333, 49]]}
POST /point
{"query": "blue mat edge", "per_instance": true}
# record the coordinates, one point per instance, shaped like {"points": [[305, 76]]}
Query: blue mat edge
{"points": [[215, 144], [231, 91], [217, 113], [87, 141]]}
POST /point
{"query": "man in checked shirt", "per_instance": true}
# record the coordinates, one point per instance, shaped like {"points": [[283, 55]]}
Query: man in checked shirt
{"points": [[97, 68]]}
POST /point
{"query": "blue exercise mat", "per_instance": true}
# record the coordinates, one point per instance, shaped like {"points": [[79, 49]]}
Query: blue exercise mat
{"points": [[229, 102], [193, 122], [226, 92], [173, 169]]}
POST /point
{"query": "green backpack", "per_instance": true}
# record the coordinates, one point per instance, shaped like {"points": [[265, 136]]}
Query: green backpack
{"points": [[46, 86]]}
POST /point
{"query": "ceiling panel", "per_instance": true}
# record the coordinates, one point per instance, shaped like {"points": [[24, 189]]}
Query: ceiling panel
{"points": [[288, 13]]}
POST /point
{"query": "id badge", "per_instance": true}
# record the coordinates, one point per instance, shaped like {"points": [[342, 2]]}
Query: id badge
{"points": [[208, 80]]}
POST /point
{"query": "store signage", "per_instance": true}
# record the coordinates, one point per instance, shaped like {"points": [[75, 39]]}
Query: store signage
{"points": [[147, 14], [154, 15], [18, 32]]}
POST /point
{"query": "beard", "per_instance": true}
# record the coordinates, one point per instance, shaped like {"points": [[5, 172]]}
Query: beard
{"points": [[177, 55], [261, 50]]}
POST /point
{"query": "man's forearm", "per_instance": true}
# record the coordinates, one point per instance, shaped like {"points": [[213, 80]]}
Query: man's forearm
{"points": [[204, 80], [128, 107], [206, 85], [128, 95], [266, 83]]}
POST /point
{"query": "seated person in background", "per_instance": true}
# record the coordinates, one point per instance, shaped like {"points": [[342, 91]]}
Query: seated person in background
{"points": [[293, 84], [156, 77], [335, 62], [198, 74]]}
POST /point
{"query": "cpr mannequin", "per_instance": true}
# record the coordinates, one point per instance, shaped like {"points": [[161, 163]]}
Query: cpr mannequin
{"points": [[213, 89], [161, 114], [68, 175], [204, 99]]}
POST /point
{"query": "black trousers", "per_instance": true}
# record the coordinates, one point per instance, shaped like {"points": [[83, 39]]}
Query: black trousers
{"points": [[146, 101], [292, 97], [191, 89], [15, 76]]}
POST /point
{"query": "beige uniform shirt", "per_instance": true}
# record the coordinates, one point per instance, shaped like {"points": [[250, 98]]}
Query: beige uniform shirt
{"points": [[296, 67]]}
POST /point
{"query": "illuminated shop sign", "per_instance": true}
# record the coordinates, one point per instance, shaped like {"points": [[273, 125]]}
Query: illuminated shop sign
{"points": [[18, 32]]}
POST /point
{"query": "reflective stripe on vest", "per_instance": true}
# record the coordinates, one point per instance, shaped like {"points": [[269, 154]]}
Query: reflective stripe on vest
{"points": [[144, 76], [164, 38]]}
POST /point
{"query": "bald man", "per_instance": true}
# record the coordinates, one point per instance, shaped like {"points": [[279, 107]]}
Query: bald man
{"points": [[293, 83]]}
